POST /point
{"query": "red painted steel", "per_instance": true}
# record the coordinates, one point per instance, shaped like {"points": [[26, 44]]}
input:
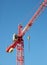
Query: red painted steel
{"points": [[42, 6], [20, 53], [19, 43]]}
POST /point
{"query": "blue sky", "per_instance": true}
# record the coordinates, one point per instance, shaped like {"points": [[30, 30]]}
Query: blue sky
{"points": [[14, 12]]}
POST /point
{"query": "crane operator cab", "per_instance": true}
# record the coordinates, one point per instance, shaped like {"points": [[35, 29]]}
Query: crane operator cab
{"points": [[15, 37]]}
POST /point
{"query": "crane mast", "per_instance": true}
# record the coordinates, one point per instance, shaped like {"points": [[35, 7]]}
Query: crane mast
{"points": [[18, 41], [20, 53]]}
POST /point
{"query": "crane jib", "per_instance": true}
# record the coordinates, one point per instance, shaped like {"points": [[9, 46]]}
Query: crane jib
{"points": [[34, 17]]}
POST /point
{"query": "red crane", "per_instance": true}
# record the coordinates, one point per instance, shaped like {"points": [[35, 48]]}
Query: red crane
{"points": [[18, 41]]}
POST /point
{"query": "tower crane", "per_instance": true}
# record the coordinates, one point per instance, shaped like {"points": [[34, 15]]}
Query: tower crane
{"points": [[18, 41]]}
